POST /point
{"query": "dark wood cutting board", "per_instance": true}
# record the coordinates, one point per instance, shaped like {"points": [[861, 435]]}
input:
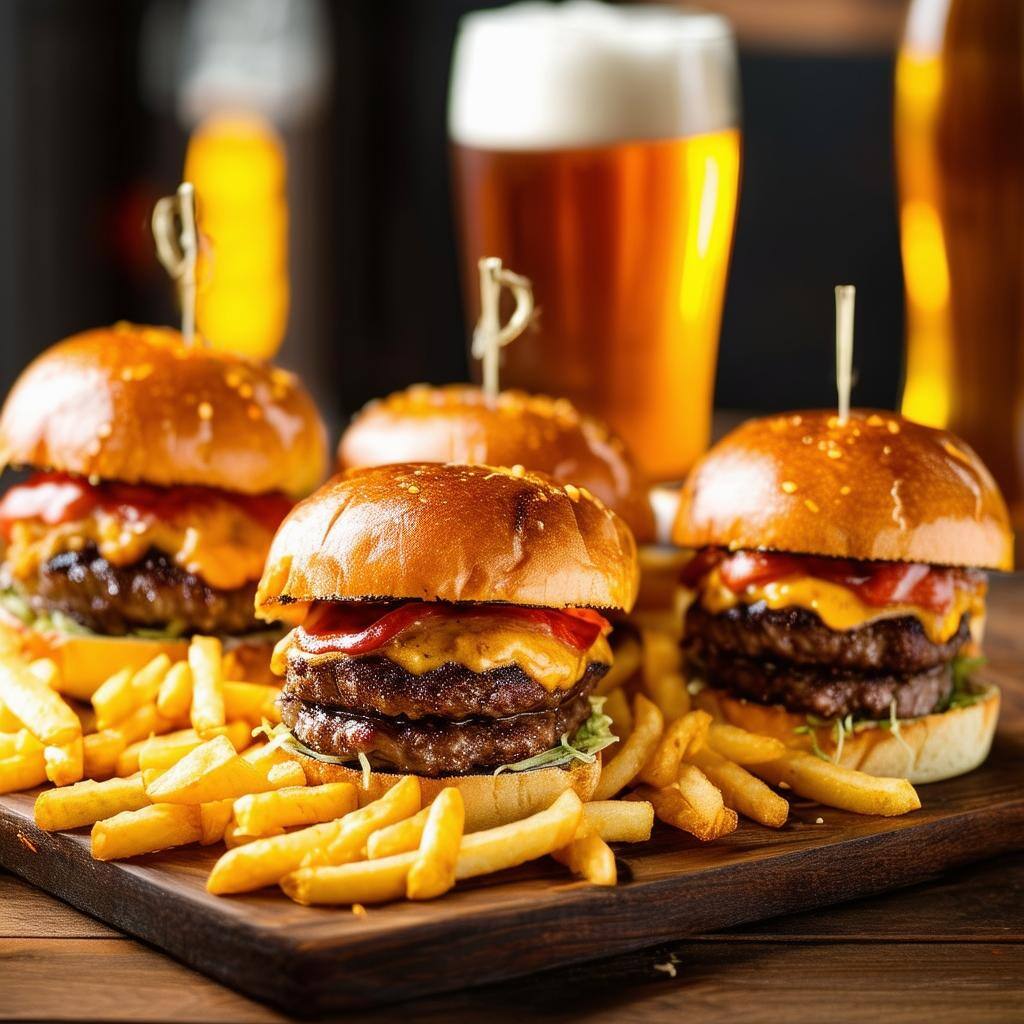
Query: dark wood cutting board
{"points": [[310, 961]]}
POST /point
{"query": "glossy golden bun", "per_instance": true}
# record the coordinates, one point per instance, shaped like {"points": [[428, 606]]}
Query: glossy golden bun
{"points": [[490, 800], [928, 749], [877, 487], [460, 423], [442, 532], [135, 404]]}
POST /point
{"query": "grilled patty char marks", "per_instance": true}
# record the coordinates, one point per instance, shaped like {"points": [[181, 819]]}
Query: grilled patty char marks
{"points": [[149, 594], [432, 746], [377, 685]]}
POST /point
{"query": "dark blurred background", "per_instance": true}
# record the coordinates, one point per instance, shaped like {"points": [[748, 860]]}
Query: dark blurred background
{"points": [[98, 99]]}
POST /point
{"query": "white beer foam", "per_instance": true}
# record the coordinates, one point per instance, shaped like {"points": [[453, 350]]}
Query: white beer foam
{"points": [[547, 76]]}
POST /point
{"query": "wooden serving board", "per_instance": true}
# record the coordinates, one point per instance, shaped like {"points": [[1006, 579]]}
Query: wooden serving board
{"points": [[309, 961]]}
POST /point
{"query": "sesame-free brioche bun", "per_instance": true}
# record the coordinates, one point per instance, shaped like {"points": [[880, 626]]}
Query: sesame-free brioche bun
{"points": [[461, 423], [490, 800], [927, 749], [444, 532], [135, 404], [875, 487]]}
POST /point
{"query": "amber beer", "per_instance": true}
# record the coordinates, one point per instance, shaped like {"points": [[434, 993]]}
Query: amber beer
{"points": [[960, 155], [619, 208]]}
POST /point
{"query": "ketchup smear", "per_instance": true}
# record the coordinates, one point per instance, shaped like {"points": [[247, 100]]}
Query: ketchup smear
{"points": [[54, 498], [875, 583], [360, 628]]}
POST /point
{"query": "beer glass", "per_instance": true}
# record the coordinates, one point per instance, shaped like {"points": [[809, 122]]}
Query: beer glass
{"points": [[596, 150], [960, 159]]}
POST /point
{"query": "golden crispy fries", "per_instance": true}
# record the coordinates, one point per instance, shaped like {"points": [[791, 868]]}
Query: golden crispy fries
{"points": [[41, 709], [150, 775], [742, 791], [285, 774], [258, 814], [663, 682], [263, 756], [174, 698], [147, 830], [87, 802], [589, 857], [115, 699], [128, 759], [65, 765], [139, 725], [742, 747], [684, 734], [845, 788], [213, 771], [620, 821], [433, 871], [214, 818], [204, 659], [377, 881], [147, 681], [669, 692], [20, 742], [674, 809], [616, 707], [9, 721], [700, 792], [264, 862], [251, 701], [100, 753], [628, 658], [234, 836], [169, 749], [22, 771], [632, 755], [400, 837], [45, 670], [351, 832]]}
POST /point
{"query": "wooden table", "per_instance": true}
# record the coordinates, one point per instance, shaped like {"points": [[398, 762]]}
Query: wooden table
{"points": [[951, 950]]}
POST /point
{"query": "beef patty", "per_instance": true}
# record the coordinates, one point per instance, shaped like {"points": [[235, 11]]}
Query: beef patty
{"points": [[377, 685], [149, 594], [432, 746]]}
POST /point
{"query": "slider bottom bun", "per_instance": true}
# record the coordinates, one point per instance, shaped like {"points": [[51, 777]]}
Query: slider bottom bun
{"points": [[490, 800], [928, 749]]}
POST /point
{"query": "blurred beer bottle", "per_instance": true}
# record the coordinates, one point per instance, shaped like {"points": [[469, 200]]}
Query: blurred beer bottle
{"points": [[596, 150], [960, 159]]}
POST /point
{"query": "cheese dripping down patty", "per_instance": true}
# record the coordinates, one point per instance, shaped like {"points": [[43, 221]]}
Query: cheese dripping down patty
{"points": [[839, 607], [478, 644]]}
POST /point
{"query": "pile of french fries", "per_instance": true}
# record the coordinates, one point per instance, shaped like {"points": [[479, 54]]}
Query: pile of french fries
{"points": [[165, 757]]}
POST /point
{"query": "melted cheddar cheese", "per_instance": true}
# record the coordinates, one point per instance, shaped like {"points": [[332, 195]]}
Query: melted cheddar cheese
{"points": [[224, 546], [480, 644], [838, 607]]}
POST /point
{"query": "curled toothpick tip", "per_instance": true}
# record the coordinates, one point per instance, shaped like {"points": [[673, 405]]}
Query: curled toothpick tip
{"points": [[845, 298], [490, 335], [176, 235]]}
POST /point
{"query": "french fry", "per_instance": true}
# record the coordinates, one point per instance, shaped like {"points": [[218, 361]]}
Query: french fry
{"points": [[620, 821], [175, 695], [700, 792], [147, 681], [685, 733], [128, 759], [616, 707], [46, 671], [214, 818], [9, 721], [433, 871], [213, 771], [204, 659], [264, 862], [400, 837], [87, 802], [169, 749], [262, 756], [286, 774], [589, 857], [65, 765], [351, 832], [142, 723], [147, 830], [150, 775], [260, 813], [674, 809], [742, 747], [369, 881], [663, 682], [251, 701], [22, 771], [628, 659], [114, 699], [42, 710], [100, 752], [845, 788], [742, 791], [234, 836], [20, 742], [632, 755]]}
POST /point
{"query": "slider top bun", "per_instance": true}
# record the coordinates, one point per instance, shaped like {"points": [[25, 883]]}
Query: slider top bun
{"points": [[135, 404], [877, 487], [443, 532], [460, 423]]}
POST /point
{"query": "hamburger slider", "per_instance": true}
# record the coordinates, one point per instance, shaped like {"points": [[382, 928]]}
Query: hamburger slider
{"points": [[838, 587], [449, 621], [160, 473]]}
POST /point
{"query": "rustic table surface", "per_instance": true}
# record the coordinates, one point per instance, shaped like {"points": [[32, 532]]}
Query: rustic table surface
{"points": [[950, 950]]}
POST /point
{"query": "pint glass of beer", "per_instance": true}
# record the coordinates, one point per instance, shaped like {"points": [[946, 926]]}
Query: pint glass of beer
{"points": [[596, 150]]}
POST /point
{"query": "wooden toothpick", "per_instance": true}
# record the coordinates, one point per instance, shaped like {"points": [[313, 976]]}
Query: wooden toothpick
{"points": [[177, 247], [845, 296], [489, 335]]}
